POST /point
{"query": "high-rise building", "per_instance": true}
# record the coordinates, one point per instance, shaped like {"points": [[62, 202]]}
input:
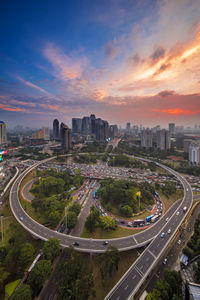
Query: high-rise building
{"points": [[146, 138], [93, 124], [186, 145], [86, 125], [194, 153], [128, 127], [172, 128], [113, 131], [46, 133], [76, 125], [55, 129], [66, 137], [3, 135], [163, 139]]}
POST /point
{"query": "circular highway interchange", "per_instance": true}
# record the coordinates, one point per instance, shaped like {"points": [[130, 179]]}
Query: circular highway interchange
{"points": [[96, 245]]}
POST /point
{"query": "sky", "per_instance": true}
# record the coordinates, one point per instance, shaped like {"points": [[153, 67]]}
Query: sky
{"points": [[132, 61]]}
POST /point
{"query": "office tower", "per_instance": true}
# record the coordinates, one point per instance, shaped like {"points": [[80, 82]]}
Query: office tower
{"points": [[146, 138], [163, 139], [128, 128], [155, 129], [55, 129], [93, 124], [46, 133], [3, 136], [186, 145], [172, 128], [113, 131], [85, 125], [194, 153], [66, 137], [76, 125]]}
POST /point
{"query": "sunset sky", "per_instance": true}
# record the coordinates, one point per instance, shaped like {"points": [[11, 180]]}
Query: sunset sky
{"points": [[128, 60]]}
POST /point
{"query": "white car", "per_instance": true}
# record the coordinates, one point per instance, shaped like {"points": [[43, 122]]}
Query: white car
{"points": [[169, 231], [167, 219], [177, 213], [21, 218]]}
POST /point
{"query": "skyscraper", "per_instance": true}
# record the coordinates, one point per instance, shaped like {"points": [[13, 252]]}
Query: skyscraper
{"points": [[113, 131], [194, 153], [172, 128], [3, 136], [55, 129], [86, 125], [66, 137], [128, 128], [93, 124], [76, 125], [146, 138], [163, 139]]}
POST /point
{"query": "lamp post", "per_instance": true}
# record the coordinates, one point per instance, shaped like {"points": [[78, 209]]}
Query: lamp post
{"points": [[2, 230]]}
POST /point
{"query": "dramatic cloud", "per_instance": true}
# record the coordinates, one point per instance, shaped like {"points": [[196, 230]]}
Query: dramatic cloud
{"points": [[32, 85], [157, 54], [8, 108], [177, 111]]}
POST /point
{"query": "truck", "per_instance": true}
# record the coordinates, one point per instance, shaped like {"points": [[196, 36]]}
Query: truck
{"points": [[148, 219], [138, 223]]}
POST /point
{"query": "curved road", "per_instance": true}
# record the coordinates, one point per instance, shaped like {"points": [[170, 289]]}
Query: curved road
{"points": [[93, 245]]}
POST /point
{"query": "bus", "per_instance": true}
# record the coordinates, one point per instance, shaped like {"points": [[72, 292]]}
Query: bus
{"points": [[154, 219], [138, 223], [148, 219], [38, 257]]}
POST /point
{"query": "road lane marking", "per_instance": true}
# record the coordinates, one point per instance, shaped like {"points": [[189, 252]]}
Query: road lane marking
{"points": [[138, 270], [135, 240], [152, 254], [133, 277], [126, 287]]}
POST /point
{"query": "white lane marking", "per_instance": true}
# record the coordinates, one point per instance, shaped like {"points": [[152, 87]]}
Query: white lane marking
{"points": [[152, 254], [126, 287], [138, 270], [135, 240], [133, 277]]}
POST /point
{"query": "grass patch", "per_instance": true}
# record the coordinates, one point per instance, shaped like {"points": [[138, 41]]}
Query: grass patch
{"points": [[126, 260], [10, 287], [168, 202], [99, 233]]}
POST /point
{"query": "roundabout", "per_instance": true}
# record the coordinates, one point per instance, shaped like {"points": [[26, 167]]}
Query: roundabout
{"points": [[97, 245]]}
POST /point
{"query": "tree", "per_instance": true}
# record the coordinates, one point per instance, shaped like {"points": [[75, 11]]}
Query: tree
{"points": [[39, 274], [23, 293], [76, 207], [71, 219], [26, 255], [107, 261], [75, 277], [92, 219], [51, 249], [126, 210], [107, 222]]}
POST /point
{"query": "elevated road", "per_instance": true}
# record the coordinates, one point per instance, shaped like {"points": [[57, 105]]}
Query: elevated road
{"points": [[94, 245], [132, 280]]}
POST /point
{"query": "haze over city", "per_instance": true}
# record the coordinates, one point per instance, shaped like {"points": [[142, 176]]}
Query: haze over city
{"points": [[121, 60]]}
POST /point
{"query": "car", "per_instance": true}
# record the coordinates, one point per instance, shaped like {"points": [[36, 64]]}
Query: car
{"points": [[105, 243], [179, 242], [129, 224], [162, 235], [169, 231], [122, 222], [177, 213], [165, 261], [167, 219], [75, 244], [21, 218]]}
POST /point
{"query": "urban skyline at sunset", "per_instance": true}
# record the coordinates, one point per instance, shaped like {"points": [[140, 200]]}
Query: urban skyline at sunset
{"points": [[134, 61]]}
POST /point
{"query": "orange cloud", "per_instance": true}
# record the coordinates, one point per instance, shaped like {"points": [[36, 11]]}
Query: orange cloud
{"points": [[53, 107], [177, 111], [4, 107]]}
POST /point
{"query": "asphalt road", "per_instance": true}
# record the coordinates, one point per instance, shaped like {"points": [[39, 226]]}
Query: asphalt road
{"points": [[136, 275]]}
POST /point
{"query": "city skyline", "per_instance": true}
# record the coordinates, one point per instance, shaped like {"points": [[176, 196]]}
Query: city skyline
{"points": [[121, 60]]}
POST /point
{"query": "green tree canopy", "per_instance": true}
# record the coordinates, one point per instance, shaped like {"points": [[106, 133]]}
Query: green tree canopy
{"points": [[26, 255], [39, 274], [23, 293], [51, 249], [71, 219]]}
